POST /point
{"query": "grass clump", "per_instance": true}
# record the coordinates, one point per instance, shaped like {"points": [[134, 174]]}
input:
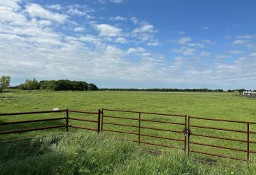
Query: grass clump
{"points": [[91, 153]]}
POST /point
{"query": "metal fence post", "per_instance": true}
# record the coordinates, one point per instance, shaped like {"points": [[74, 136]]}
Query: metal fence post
{"points": [[188, 133], [67, 117], [248, 141], [102, 119], [185, 134], [99, 113], [139, 128]]}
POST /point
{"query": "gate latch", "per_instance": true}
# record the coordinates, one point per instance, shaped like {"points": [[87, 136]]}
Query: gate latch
{"points": [[187, 132]]}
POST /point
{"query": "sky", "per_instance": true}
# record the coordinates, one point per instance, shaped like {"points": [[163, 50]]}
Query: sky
{"points": [[130, 43]]}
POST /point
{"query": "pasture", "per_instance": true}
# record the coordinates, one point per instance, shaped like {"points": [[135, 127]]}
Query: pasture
{"points": [[213, 105], [228, 106]]}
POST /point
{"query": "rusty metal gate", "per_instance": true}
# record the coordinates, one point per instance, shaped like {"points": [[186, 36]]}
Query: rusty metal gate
{"points": [[194, 135]]}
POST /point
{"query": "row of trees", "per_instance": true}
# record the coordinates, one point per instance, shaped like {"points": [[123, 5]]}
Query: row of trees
{"points": [[57, 85], [165, 90]]}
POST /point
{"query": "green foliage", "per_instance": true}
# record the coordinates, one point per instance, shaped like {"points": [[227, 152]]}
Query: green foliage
{"points": [[58, 85], [30, 85], [4, 82], [91, 154]]}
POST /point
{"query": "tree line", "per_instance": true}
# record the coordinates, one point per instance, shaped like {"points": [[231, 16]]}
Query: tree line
{"points": [[172, 90], [163, 89], [57, 85]]}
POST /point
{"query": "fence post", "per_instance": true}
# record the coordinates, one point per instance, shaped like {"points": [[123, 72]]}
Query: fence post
{"points": [[188, 133], [139, 128], [67, 117], [185, 134], [248, 141], [101, 120], [99, 112]]}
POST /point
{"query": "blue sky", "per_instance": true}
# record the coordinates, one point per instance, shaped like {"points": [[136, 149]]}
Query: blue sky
{"points": [[131, 43]]}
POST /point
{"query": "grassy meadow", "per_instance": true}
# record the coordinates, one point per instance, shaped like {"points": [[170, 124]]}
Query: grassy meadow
{"points": [[92, 154], [211, 105]]}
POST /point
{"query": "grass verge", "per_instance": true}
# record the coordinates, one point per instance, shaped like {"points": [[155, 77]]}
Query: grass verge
{"points": [[91, 153]]}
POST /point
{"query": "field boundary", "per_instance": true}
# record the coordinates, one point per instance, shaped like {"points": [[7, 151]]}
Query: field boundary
{"points": [[186, 130]]}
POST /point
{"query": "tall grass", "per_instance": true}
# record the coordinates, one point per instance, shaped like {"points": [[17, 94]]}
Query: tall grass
{"points": [[91, 153]]}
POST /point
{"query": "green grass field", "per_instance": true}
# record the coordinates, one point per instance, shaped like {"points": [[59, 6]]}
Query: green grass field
{"points": [[211, 105]]}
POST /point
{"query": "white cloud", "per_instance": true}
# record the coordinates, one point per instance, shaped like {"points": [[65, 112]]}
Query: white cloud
{"points": [[10, 4], [121, 40], [184, 40], [154, 43], [207, 41], [36, 10], [134, 20], [118, 18], [188, 52], [8, 12], [228, 68], [221, 56], [145, 28], [196, 44], [246, 36], [55, 6], [185, 51], [235, 51], [79, 29], [108, 30], [253, 54], [205, 54], [111, 1], [74, 11], [239, 42], [135, 50], [90, 39]]}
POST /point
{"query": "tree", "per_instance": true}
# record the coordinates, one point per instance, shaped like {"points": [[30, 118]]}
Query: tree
{"points": [[92, 87], [4, 82]]}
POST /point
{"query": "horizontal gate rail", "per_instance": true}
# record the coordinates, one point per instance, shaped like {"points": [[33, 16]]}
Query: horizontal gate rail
{"points": [[80, 119], [35, 112], [247, 132], [221, 129], [32, 121], [97, 128], [223, 138], [32, 129], [222, 120], [216, 146], [15, 114], [105, 115]]}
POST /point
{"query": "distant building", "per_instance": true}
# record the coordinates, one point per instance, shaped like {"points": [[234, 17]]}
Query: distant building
{"points": [[249, 94]]}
